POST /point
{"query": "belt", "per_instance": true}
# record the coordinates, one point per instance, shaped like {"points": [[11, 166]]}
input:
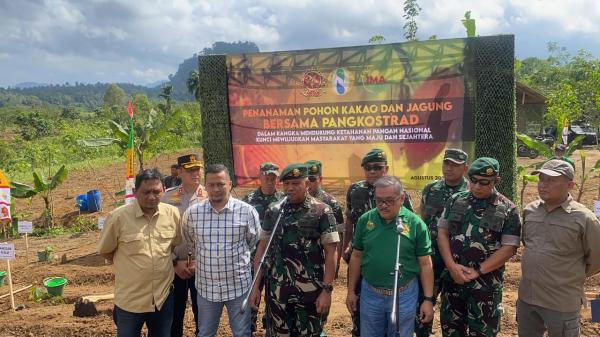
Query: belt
{"points": [[389, 292]]}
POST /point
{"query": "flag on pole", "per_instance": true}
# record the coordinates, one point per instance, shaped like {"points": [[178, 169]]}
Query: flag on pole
{"points": [[129, 183], [4, 198]]}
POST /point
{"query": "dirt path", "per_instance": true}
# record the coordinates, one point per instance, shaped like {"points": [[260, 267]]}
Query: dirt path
{"points": [[87, 273]]}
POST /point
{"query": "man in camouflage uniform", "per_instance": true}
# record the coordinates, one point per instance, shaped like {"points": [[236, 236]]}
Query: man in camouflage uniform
{"points": [[478, 231], [189, 192], [261, 198], [434, 197], [360, 198], [315, 178], [301, 262]]}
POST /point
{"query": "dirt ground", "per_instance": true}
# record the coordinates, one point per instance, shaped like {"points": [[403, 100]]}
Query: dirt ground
{"points": [[87, 273]]}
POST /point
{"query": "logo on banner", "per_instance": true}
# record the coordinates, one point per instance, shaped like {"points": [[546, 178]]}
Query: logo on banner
{"points": [[313, 82], [341, 81]]}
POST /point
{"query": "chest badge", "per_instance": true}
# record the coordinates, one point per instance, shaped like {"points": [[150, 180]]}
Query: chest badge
{"points": [[370, 225]]}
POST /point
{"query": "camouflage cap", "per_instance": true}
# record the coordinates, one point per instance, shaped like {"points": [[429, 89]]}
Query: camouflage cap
{"points": [[190, 161], [294, 171], [555, 168], [269, 168], [315, 168], [375, 155], [456, 155], [485, 167]]}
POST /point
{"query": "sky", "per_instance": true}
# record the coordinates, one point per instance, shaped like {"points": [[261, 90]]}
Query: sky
{"points": [[143, 41]]}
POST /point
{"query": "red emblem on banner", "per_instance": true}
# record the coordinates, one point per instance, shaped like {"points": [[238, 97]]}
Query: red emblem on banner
{"points": [[313, 83]]}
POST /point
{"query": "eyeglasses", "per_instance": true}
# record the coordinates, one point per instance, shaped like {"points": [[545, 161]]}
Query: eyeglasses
{"points": [[482, 182], [386, 202], [373, 167], [312, 179]]}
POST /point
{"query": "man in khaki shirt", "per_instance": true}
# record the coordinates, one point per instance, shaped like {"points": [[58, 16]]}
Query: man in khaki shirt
{"points": [[139, 238], [561, 239]]}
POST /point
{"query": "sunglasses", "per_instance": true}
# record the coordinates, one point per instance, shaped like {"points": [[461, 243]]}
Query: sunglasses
{"points": [[373, 167], [312, 179], [482, 182]]}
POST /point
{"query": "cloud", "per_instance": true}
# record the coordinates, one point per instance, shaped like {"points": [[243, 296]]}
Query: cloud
{"points": [[140, 41]]}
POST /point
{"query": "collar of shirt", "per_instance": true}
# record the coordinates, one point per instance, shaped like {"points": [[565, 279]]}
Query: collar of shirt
{"points": [[139, 213], [228, 206], [566, 205]]}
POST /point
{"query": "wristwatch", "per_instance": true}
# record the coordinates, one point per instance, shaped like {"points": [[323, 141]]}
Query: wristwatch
{"points": [[428, 298], [477, 268], [328, 287]]}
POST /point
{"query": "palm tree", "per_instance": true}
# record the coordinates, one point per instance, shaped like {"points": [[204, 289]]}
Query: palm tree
{"points": [[193, 83]]}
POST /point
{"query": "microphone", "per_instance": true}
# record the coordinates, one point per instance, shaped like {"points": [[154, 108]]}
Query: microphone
{"points": [[399, 225]]}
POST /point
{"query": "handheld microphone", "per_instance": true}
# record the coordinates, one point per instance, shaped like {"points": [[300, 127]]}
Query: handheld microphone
{"points": [[399, 225]]}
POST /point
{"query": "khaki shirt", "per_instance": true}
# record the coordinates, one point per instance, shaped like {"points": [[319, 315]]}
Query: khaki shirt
{"points": [[179, 198], [561, 250], [142, 260]]}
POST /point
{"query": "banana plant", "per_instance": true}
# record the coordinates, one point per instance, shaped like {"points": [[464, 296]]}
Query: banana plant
{"points": [[525, 180], [43, 187], [545, 150], [586, 175]]}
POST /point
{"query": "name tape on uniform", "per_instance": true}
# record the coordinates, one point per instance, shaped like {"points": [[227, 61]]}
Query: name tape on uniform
{"points": [[7, 251], [101, 223], [25, 227]]}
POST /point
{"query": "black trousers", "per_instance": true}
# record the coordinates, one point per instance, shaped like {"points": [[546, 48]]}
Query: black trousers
{"points": [[181, 289]]}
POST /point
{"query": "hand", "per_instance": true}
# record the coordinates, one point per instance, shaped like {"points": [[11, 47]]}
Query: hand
{"points": [[182, 270], [458, 273], [347, 254], [471, 274], [192, 267], [426, 312], [323, 302], [254, 299], [351, 301]]}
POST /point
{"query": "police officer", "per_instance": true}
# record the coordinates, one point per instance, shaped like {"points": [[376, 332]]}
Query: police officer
{"points": [[434, 197], [301, 263], [315, 179], [478, 231], [360, 198], [182, 196], [261, 198]]}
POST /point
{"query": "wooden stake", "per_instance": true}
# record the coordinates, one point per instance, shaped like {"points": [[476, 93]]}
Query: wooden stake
{"points": [[26, 250], [10, 286], [16, 291]]}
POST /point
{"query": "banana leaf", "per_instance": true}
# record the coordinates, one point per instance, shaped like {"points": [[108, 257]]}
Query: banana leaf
{"points": [[58, 178], [537, 145], [38, 182]]}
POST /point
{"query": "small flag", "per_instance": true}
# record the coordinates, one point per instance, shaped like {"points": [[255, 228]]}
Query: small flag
{"points": [[4, 198]]}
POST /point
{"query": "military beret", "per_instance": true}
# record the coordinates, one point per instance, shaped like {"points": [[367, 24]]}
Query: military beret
{"points": [[375, 155], [456, 155], [294, 171], [314, 167], [485, 167], [269, 168], [190, 161]]}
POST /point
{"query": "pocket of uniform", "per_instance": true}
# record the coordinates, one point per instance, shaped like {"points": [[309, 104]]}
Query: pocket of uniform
{"points": [[133, 244], [165, 240], [571, 328]]}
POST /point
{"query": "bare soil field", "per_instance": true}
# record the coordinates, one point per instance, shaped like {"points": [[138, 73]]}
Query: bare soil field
{"points": [[87, 273]]}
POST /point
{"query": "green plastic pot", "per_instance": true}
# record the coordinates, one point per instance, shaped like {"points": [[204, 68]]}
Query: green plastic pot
{"points": [[55, 285], [2, 276]]}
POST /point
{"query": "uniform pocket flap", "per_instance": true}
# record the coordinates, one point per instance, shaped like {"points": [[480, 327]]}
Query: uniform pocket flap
{"points": [[132, 237]]}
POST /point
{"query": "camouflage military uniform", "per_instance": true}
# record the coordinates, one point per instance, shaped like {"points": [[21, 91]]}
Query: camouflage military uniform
{"points": [[434, 197], [360, 198], [296, 266], [330, 200], [260, 202], [477, 228]]}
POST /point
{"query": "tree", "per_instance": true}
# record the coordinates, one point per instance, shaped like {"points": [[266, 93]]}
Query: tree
{"points": [[563, 107], [114, 96], [469, 24], [411, 11], [42, 187], [193, 84]]}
